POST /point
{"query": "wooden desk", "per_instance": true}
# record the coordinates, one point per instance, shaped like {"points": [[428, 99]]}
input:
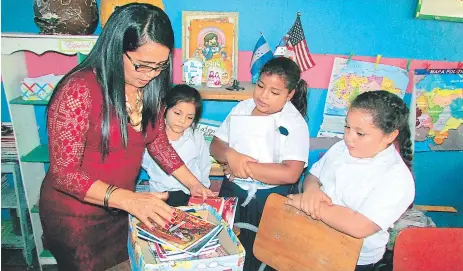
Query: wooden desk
{"points": [[289, 240]]}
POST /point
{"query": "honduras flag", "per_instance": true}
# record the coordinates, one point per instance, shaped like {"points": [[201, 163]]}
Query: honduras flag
{"points": [[260, 56]]}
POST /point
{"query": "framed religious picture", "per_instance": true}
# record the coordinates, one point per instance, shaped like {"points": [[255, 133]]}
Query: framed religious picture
{"points": [[212, 37]]}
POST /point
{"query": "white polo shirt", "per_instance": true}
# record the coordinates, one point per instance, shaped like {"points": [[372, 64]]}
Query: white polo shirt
{"points": [[194, 151], [293, 146], [380, 188]]}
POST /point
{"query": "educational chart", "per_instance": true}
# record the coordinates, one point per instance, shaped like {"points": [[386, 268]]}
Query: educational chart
{"points": [[349, 78], [439, 109]]}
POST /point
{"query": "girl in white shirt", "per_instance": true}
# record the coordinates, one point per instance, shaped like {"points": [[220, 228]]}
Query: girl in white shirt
{"points": [[280, 94], [183, 110], [362, 185]]}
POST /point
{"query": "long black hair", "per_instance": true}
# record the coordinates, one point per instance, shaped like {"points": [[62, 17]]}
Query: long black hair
{"points": [[291, 73], [184, 93], [389, 113], [129, 27]]}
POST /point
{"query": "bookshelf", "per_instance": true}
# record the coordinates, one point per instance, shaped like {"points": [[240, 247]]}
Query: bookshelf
{"points": [[33, 154], [13, 198]]}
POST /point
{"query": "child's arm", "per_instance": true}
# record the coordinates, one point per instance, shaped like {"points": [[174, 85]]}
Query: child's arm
{"points": [[237, 162], [383, 206], [293, 155], [311, 199], [347, 220], [218, 149], [286, 172]]}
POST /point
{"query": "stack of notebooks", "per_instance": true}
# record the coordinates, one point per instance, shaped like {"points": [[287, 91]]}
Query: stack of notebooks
{"points": [[190, 237], [9, 152]]}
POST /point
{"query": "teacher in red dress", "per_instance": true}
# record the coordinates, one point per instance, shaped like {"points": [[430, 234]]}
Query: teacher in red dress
{"points": [[101, 117]]}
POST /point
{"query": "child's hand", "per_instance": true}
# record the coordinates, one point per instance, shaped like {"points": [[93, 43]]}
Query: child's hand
{"points": [[238, 164], [309, 201], [199, 190], [227, 171]]}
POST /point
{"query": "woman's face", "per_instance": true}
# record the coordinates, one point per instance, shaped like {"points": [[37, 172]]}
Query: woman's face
{"points": [[149, 55]]}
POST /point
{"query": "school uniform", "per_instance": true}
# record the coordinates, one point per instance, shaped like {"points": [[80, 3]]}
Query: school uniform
{"points": [[194, 151], [294, 145], [380, 188]]}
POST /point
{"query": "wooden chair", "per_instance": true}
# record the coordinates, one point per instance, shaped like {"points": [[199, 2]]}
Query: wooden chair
{"points": [[429, 249], [287, 239]]}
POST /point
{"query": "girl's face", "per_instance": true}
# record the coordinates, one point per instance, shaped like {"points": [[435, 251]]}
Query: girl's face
{"points": [[180, 117], [271, 94], [149, 55], [362, 137]]}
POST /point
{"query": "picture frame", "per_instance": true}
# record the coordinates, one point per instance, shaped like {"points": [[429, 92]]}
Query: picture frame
{"points": [[444, 10], [212, 37]]}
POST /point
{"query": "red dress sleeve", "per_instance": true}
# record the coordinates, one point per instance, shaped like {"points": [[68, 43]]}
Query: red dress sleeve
{"points": [[68, 123], [160, 148]]}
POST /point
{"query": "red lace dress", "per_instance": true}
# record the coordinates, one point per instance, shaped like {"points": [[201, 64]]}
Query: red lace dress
{"points": [[80, 235]]}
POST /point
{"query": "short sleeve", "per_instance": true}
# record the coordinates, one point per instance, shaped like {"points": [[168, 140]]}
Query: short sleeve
{"points": [[204, 159], [387, 202], [335, 150], [296, 146]]}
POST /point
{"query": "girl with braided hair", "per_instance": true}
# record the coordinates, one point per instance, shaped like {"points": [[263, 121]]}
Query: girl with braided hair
{"points": [[362, 185]]}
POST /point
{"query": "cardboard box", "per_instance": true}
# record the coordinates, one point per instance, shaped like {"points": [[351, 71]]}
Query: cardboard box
{"points": [[141, 258]]}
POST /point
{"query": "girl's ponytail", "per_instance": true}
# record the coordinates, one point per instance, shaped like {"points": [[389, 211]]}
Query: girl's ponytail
{"points": [[405, 145], [299, 99]]}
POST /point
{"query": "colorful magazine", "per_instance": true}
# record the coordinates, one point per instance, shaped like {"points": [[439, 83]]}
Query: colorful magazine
{"points": [[164, 253], [224, 206], [210, 251], [188, 233]]}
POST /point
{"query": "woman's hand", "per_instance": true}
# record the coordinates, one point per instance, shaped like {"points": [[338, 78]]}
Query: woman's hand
{"points": [[309, 201], [149, 207], [237, 164], [199, 190]]}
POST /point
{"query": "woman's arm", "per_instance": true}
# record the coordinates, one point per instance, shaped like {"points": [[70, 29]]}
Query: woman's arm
{"points": [[67, 125]]}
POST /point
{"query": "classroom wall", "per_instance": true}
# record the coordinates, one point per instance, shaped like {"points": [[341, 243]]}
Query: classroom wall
{"points": [[363, 27]]}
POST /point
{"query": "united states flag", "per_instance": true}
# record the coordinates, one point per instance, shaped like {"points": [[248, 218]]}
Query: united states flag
{"points": [[297, 43]]}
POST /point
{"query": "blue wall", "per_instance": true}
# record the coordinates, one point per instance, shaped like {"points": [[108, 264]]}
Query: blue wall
{"points": [[365, 28]]}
